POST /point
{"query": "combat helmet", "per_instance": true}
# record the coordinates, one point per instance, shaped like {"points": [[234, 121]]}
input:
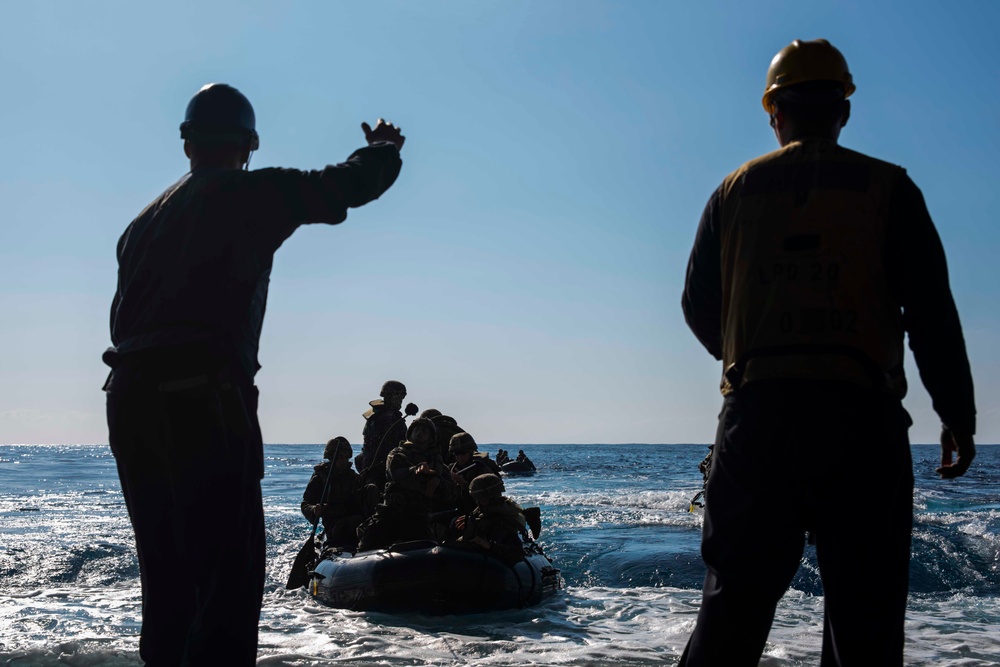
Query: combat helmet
{"points": [[487, 486], [806, 62], [337, 447], [392, 387], [462, 442], [418, 423], [218, 112]]}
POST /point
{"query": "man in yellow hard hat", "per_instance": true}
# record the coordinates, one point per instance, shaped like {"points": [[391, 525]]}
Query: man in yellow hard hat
{"points": [[809, 265]]}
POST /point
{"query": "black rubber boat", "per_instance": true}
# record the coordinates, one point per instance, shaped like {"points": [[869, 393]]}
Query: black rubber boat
{"points": [[433, 578], [518, 468]]}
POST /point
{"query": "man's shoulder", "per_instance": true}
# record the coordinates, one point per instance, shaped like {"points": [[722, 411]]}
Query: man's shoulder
{"points": [[381, 413], [347, 473], [370, 412], [782, 158], [734, 177], [758, 161], [485, 463], [204, 186], [513, 506], [849, 154], [398, 453], [153, 206], [508, 510], [380, 410], [761, 161], [271, 174]]}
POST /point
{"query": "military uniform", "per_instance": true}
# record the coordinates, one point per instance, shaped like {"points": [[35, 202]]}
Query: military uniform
{"points": [[404, 513], [446, 427], [500, 521], [384, 430], [479, 464], [346, 505]]}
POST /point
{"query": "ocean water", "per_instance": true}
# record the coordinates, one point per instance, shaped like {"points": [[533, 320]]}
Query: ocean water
{"points": [[616, 522]]}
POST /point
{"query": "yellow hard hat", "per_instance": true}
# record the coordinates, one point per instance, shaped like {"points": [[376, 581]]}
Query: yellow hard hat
{"points": [[803, 61]]}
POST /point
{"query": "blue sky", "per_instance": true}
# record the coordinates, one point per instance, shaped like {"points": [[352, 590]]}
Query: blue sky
{"points": [[524, 273]]}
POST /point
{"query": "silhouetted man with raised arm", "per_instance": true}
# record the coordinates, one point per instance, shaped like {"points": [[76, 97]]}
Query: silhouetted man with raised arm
{"points": [[182, 406]]}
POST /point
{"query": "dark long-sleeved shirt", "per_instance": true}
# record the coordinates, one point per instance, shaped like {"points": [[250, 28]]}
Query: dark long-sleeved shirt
{"points": [[385, 429], [194, 266], [501, 524], [918, 274], [476, 466], [406, 490], [343, 497]]}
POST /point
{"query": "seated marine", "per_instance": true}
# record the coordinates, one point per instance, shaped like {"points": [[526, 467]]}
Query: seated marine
{"points": [[497, 524], [347, 501], [416, 477], [445, 427], [523, 458], [468, 465]]}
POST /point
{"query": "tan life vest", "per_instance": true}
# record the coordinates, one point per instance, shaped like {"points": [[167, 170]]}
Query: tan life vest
{"points": [[804, 288]]}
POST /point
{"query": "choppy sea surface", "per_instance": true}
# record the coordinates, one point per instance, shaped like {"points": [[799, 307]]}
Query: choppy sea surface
{"points": [[616, 522]]}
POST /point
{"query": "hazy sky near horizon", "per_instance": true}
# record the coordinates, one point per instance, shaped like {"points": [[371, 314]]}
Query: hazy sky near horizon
{"points": [[524, 274]]}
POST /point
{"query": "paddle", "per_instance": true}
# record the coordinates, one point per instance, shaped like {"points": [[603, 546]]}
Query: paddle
{"points": [[533, 517], [299, 576]]}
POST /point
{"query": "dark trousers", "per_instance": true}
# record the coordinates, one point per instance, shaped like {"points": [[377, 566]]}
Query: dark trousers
{"points": [[792, 456], [190, 464]]}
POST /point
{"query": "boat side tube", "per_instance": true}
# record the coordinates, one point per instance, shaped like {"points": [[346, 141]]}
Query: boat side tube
{"points": [[435, 578]]}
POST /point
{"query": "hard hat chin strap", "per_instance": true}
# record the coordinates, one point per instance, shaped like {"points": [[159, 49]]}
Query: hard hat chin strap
{"points": [[246, 165]]}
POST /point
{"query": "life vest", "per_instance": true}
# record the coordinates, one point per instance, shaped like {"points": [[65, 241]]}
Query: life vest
{"points": [[804, 287]]}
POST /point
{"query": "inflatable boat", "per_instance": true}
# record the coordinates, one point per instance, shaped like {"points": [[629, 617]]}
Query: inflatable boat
{"points": [[518, 468], [433, 578]]}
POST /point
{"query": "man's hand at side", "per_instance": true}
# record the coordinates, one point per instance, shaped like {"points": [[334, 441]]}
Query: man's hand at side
{"points": [[952, 442]]}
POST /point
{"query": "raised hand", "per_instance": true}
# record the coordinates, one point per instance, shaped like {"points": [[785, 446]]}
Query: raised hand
{"points": [[383, 132]]}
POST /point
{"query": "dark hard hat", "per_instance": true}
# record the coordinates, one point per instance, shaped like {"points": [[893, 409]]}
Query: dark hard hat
{"points": [[393, 387], [486, 486], [430, 413], [332, 447], [219, 112], [462, 442], [805, 62]]}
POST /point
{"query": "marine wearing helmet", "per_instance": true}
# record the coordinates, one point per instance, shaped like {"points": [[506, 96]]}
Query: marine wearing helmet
{"points": [[497, 523], [486, 488], [384, 429], [468, 465], [338, 447]]}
